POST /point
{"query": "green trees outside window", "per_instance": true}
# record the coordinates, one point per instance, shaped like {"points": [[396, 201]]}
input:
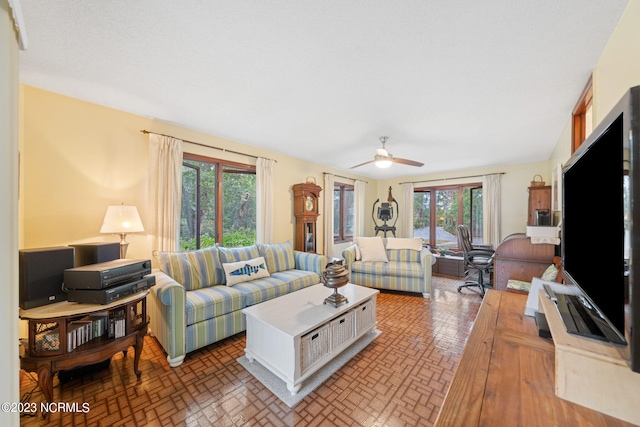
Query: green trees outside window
{"points": [[218, 203]]}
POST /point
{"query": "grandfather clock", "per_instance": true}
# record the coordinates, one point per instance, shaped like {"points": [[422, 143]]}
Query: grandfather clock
{"points": [[305, 209]]}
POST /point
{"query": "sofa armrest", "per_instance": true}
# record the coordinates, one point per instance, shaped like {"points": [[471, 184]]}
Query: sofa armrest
{"points": [[426, 262], [349, 255], [426, 257], [310, 262], [166, 307], [167, 290]]}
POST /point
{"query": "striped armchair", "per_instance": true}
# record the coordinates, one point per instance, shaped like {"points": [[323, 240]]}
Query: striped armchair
{"points": [[192, 305], [406, 270]]}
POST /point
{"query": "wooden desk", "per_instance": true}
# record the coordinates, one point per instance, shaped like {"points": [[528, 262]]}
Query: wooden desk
{"points": [[517, 258], [506, 374]]}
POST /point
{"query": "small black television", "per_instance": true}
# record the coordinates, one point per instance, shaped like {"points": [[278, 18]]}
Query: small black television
{"points": [[601, 226]]}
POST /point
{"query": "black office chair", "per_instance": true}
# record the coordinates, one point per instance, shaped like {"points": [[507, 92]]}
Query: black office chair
{"points": [[475, 258]]}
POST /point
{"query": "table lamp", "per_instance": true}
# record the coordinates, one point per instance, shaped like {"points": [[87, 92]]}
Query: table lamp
{"points": [[122, 220]]}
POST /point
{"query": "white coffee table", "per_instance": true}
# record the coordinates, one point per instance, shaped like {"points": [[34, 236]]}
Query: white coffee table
{"points": [[296, 334]]}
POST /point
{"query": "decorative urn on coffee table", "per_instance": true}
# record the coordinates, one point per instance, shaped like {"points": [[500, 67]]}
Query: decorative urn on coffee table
{"points": [[335, 276]]}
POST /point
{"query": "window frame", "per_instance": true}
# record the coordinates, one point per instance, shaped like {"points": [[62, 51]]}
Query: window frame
{"points": [[471, 186], [341, 237], [220, 170], [584, 106]]}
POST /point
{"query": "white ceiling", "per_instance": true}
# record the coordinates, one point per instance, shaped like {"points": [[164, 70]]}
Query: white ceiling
{"points": [[455, 84]]}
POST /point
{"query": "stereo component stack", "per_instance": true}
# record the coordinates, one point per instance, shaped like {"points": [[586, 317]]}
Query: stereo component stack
{"points": [[106, 282]]}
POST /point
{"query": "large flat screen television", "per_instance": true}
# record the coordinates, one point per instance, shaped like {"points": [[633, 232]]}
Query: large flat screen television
{"points": [[601, 228]]}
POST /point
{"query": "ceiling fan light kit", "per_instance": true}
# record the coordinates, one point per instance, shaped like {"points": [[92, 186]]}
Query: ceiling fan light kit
{"points": [[383, 162], [383, 158]]}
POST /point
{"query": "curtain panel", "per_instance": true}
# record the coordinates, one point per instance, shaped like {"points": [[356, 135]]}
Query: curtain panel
{"points": [[328, 214], [406, 219], [359, 193], [492, 208], [264, 200], [165, 191]]}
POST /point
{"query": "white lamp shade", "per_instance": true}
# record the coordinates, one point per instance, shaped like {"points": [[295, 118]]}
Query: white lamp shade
{"points": [[122, 219]]}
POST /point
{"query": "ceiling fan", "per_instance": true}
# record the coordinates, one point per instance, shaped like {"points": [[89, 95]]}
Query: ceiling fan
{"points": [[383, 158]]}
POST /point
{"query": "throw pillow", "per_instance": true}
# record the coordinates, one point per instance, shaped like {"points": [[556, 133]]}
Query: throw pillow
{"points": [[242, 253], [278, 256], [193, 269], [413, 243], [550, 274], [243, 271], [372, 249]]}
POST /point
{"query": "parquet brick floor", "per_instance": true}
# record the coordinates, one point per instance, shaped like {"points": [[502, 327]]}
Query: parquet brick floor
{"points": [[398, 380]]}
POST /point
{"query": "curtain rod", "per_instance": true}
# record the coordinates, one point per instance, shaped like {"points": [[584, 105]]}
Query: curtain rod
{"points": [[204, 145], [457, 177], [345, 177]]}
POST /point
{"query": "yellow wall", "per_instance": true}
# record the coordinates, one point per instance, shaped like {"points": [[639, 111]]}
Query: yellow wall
{"points": [[81, 157], [617, 70]]}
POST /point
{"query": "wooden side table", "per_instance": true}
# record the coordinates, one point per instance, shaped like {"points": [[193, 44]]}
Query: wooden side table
{"points": [[55, 344]]}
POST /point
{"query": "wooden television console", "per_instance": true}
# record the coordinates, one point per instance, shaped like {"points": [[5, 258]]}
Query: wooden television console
{"points": [[509, 376], [592, 373]]}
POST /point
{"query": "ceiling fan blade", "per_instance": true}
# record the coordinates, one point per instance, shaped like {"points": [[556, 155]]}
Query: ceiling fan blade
{"points": [[407, 162], [362, 164]]}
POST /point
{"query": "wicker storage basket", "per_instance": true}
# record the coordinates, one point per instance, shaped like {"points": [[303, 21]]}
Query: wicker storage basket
{"points": [[365, 316], [314, 346], [536, 182], [342, 329]]}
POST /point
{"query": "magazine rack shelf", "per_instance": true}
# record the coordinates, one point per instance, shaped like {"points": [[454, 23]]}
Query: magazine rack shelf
{"points": [[67, 335]]}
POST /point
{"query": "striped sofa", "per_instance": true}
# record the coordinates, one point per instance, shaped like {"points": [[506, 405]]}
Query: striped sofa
{"points": [[406, 270], [191, 306]]}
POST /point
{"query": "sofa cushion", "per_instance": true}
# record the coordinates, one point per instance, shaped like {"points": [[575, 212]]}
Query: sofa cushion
{"points": [[404, 269], [244, 253], [243, 271], [403, 255], [193, 269], [371, 267], [391, 268], [297, 279], [259, 290], [279, 256], [372, 249], [207, 303]]}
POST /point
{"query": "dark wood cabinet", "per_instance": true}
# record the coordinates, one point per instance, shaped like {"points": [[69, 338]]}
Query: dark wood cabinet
{"points": [[67, 335], [306, 211], [539, 202]]}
